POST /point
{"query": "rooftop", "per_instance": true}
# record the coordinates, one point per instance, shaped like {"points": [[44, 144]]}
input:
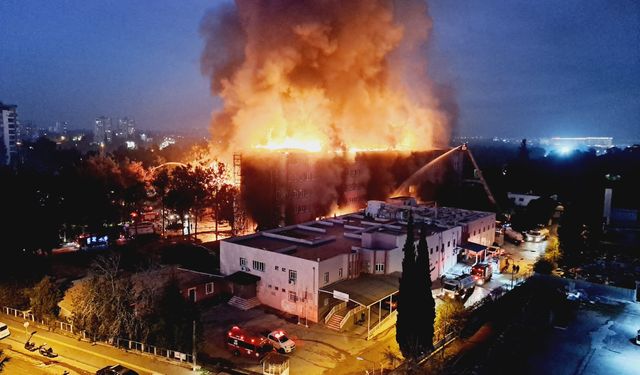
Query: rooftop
{"points": [[367, 289], [329, 237]]}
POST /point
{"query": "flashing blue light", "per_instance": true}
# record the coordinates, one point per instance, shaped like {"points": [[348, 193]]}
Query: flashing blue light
{"points": [[565, 150]]}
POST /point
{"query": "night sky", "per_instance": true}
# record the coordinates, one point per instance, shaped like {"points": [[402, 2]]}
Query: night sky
{"points": [[519, 68]]}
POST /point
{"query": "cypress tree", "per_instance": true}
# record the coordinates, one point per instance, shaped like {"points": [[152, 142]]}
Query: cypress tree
{"points": [[406, 333], [426, 303]]}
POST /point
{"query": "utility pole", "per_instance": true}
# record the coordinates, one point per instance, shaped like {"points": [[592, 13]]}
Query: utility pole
{"points": [[193, 353]]}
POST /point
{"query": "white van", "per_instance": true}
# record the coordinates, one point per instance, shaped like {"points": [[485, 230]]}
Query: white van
{"points": [[4, 330]]}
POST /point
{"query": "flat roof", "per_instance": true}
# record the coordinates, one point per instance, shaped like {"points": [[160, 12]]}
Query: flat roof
{"points": [[331, 236], [367, 289], [324, 250]]}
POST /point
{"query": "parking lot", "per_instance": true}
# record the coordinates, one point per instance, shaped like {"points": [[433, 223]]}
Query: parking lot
{"points": [[318, 349]]}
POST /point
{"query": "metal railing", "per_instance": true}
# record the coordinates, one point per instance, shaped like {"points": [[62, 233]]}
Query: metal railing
{"points": [[152, 349], [349, 314], [334, 310], [117, 342]]}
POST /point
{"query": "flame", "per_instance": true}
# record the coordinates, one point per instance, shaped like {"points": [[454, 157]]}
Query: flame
{"points": [[288, 143], [332, 76]]}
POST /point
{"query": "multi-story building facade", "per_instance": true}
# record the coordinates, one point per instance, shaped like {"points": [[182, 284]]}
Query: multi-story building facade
{"points": [[290, 187], [102, 130], [9, 132], [126, 128], [296, 267]]}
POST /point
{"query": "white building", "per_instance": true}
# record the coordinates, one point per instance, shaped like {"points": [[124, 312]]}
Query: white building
{"points": [[297, 269], [9, 131]]}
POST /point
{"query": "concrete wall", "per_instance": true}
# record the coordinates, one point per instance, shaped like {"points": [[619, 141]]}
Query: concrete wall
{"points": [[274, 286], [332, 266], [442, 254], [392, 260], [481, 231]]}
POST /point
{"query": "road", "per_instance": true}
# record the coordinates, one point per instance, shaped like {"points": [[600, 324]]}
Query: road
{"points": [[83, 357]]}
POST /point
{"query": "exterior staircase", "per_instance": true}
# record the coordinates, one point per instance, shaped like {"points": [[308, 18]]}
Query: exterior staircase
{"points": [[244, 304], [334, 321]]}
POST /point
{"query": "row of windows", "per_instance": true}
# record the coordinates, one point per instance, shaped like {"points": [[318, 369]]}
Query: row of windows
{"points": [[260, 266], [490, 226], [438, 246]]}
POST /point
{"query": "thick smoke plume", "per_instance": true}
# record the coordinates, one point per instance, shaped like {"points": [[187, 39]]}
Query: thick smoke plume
{"points": [[323, 75]]}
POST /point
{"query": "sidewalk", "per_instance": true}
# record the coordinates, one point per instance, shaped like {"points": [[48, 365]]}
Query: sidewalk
{"points": [[87, 356]]}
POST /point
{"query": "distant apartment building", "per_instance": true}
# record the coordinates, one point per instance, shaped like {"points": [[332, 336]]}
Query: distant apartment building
{"points": [[307, 269], [61, 128], [102, 130], [9, 132], [126, 128]]}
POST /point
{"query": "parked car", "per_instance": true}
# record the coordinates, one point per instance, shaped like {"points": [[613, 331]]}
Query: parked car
{"points": [[280, 341], [116, 370], [4, 330]]}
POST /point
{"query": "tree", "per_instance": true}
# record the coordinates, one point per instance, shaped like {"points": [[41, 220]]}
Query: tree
{"points": [[427, 304], [161, 182], [44, 298], [553, 253], [543, 266], [523, 151], [106, 307], [451, 316], [406, 329], [180, 196], [172, 321], [222, 195]]}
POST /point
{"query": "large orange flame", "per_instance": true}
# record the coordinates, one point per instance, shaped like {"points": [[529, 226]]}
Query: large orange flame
{"points": [[328, 75]]}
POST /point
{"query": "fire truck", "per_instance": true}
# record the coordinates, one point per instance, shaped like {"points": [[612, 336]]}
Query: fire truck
{"points": [[459, 287], [241, 342], [482, 272]]}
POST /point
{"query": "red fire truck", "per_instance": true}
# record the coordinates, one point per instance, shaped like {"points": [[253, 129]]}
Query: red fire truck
{"points": [[241, 342]]}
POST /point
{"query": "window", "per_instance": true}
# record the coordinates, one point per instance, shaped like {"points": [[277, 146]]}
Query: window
{"points": [[276, 288], [276, 268], [340, 272], [454, 242], [258, 266], [448, 243], [208, 288], [431, 250], [293, 276], [270, 286], [379, 267], [191, 292], [326, 277], [293, 297], [284, 269], [243, 262]]}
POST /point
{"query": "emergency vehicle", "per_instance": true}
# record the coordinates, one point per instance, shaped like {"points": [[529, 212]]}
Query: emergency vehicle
{"points": [[241, 342], [482, 272], [280, 341]]}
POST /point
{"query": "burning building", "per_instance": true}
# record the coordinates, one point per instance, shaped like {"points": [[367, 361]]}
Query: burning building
{"points": [[343, 83], [284, 188]]}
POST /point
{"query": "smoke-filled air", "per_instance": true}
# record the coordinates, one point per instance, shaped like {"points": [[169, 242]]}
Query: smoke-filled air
{"points": [[322, 75]]}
